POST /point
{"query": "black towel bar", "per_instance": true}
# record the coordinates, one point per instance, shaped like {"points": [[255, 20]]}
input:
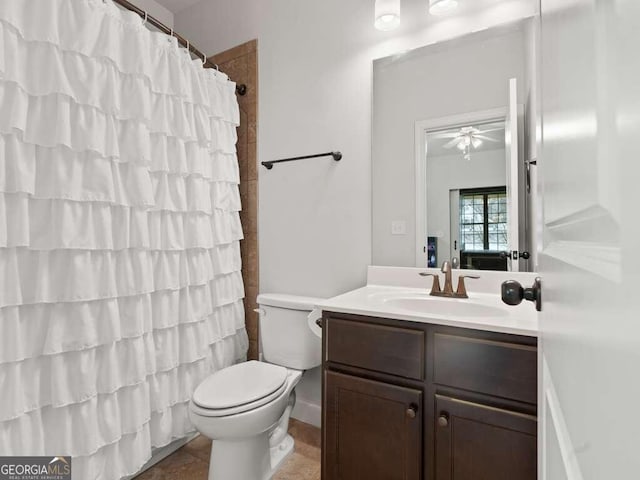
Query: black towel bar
{"points": [[337, 156]]}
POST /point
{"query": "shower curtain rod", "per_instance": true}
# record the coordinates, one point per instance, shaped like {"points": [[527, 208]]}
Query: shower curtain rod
{"points": [[241, 89]]}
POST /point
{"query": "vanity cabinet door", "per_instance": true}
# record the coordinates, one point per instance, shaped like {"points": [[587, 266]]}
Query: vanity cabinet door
{"points": [[373, 430], [478, 442]]}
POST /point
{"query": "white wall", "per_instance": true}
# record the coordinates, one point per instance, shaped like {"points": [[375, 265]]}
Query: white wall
{"points": [[156, 10], [315, 95], [462, 76], [315, 62], [218, 25]]}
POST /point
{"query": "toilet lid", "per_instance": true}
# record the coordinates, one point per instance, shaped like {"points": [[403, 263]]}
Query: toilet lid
{"points": [[239, 385]]}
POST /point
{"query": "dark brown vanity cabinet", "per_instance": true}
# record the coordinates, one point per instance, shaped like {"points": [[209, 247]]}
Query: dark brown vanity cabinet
{"points": [[479, 442], [373, 429], [415, 401]]}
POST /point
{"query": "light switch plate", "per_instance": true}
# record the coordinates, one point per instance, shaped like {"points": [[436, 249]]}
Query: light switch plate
{"points": [[398, 227]]}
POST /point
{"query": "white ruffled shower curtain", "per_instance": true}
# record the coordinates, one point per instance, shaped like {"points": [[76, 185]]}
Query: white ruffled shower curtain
{"points": [[120, 283]]}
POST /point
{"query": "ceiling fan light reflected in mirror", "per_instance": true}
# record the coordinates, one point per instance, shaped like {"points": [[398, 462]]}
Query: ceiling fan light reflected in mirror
{"points": [[468, 139], [442, 7], [387, 14]]}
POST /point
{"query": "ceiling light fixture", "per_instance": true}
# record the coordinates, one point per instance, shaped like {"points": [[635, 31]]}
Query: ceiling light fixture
{"points": [[442, 7], [468, 138], [387, 14]]}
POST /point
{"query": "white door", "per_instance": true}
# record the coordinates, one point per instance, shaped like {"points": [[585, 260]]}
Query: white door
{"points": [[454, 224], [590, 260], [512, 156]]}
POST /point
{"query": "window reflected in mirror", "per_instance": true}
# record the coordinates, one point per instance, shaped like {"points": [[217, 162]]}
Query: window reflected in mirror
{"points": [[483, 228]]}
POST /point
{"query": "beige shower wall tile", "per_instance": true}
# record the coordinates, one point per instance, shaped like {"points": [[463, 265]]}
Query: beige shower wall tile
{"points": [[237, 69], [248, 219], [251, 323], [251, 317], [252, 161], [243, 161], [250, 297], [252, 122], [253, 353], [235, 52], [244, 193], [240, 63], [251, 207], [252, 78], [250, 266]]}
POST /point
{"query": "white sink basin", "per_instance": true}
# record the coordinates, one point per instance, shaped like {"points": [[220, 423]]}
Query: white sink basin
{"points": [[445, 306], [400, 293]]}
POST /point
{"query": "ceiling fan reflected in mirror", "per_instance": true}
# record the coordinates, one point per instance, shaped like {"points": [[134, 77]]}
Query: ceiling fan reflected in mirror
{"points": [[467, 138]]}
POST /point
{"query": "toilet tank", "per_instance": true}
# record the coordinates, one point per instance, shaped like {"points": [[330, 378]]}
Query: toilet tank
{"points": [[285, 336]]}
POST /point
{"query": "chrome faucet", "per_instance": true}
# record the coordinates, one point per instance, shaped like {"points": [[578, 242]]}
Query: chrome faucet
{"points": [[461, 291]]}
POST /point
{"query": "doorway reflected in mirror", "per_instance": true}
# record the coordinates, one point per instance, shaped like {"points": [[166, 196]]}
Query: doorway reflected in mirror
{"points": [[467, 164]]}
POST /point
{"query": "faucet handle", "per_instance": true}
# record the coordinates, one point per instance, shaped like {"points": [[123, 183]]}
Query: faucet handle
{"points": [[435, 287], [461, 292]]}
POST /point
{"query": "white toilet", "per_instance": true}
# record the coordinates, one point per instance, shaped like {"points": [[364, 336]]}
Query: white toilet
{"points": [[245, 408]]}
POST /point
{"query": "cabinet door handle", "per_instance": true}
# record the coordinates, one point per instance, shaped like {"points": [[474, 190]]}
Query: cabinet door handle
{"points": [[412, 411], [319, 322], [443, 420]]}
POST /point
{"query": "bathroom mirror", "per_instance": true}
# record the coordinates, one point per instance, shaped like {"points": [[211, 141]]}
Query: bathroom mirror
{"points": [[451, 148]]}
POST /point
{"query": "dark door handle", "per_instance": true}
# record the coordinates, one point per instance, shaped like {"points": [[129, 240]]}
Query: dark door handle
{"points": [[513, 293], [515, 255], [319, 322]]}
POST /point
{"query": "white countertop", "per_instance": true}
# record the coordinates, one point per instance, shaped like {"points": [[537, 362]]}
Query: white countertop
{"points": [[379, 300]]}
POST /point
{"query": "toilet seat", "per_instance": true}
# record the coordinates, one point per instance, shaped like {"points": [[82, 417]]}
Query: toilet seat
{"points": [[240, 388]]}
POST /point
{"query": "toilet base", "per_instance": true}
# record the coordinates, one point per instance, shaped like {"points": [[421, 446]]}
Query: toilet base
{"points": [[241, 459], [280, 453], [248, 459]]}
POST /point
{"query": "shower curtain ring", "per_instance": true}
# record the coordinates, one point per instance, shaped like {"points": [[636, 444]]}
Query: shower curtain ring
{"points": [[146, 17], [188, 46]]}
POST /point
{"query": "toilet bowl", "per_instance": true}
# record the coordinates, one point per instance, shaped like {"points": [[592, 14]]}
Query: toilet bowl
{"points": [[245, 408]]}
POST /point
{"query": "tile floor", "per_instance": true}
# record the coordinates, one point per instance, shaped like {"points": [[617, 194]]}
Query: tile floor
{"points": [[191, 462]]}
